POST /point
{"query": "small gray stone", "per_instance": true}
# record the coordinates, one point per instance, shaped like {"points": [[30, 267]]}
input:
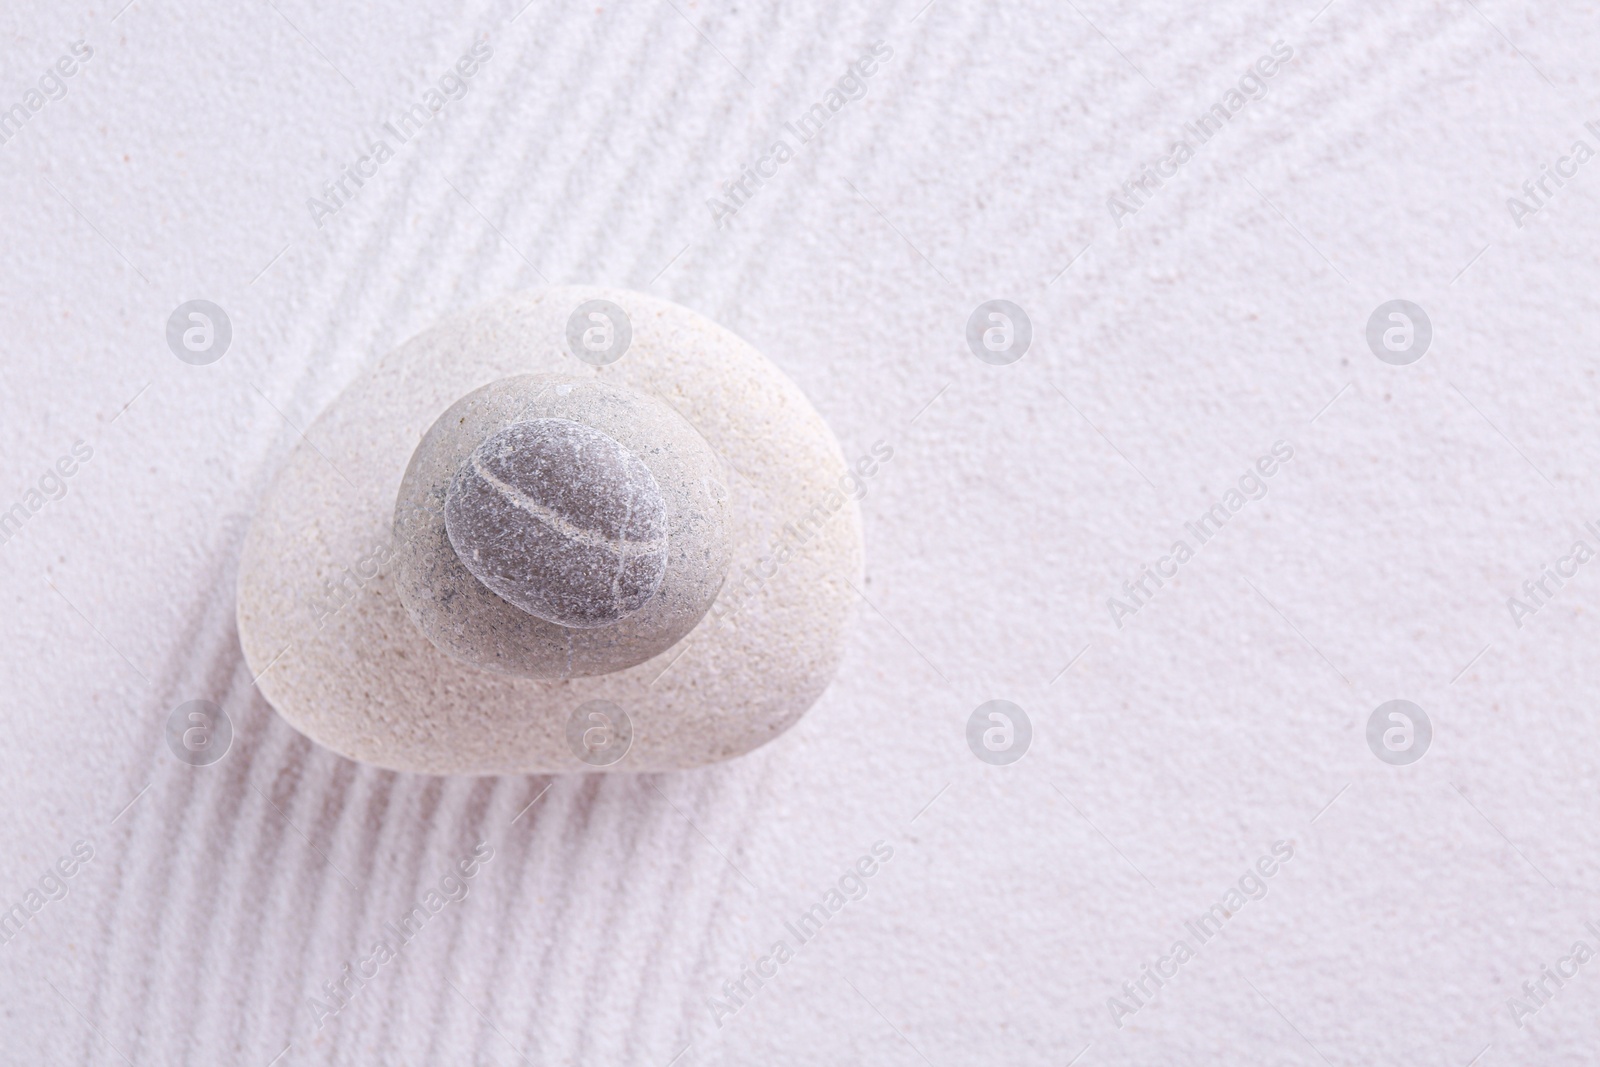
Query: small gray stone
{"points": [[550, 526], [560, 520]]}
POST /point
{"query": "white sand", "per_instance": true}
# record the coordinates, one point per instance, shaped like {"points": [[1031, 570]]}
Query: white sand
{"points": [[1215, 322]]}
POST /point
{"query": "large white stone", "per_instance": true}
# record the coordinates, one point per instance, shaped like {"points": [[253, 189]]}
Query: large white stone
{"points": [[344, 663]]}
